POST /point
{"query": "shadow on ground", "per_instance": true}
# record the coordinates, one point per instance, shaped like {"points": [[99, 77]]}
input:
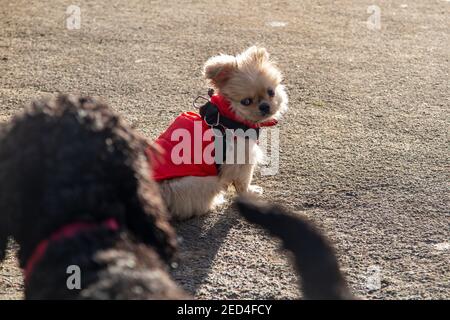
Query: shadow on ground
{"points": [[200, 241]]}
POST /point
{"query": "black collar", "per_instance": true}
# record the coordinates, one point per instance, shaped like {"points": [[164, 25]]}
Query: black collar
{"points": [[211, 115]]}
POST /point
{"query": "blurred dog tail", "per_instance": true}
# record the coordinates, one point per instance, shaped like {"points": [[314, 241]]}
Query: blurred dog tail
{"points": [[316, 262]]}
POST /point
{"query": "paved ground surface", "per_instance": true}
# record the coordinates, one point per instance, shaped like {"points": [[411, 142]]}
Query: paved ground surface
{"points": [[364, 148]]}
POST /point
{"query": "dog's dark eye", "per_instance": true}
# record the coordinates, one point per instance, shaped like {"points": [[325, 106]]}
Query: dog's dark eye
{"points": [[246, 102], [270, 92]]}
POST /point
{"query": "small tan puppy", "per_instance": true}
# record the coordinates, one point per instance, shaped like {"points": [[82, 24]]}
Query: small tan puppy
{"points": [[249, 95]]}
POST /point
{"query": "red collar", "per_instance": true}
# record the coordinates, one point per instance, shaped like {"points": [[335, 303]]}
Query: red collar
{"points": [[224, 106], [67, 231]]}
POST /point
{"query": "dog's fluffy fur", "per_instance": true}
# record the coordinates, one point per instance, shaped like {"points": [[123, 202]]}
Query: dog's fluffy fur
{"points": [[321, 277], [249, 75], [73, 160]]}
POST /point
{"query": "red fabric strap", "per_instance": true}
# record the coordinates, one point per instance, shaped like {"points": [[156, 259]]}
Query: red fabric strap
{"points": [[67, 231]]}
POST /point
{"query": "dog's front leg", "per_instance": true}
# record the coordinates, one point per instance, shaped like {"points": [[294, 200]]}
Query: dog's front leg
{"points": [[242, 183]]}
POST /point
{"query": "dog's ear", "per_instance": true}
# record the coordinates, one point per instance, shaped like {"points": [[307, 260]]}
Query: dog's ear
{"points": [[219, 69], [256, 54]]}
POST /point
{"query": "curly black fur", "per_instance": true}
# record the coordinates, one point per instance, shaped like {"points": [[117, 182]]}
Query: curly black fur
{"points": [[73, 160], [314, 256]]}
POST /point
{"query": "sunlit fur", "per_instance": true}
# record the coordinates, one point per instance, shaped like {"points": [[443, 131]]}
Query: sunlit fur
{"points": [[250, 74]]}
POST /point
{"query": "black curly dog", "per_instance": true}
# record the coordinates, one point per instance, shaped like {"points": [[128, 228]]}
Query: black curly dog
{"points": [[75, 191]]}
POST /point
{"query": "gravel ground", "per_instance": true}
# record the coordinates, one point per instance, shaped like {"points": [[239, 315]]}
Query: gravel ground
{"points": [[364, 148]]}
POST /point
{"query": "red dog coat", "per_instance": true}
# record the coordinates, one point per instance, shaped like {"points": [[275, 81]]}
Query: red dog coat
{"points": [[197, 163]]}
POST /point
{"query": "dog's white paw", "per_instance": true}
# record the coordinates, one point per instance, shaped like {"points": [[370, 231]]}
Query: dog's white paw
{"points": [[255, 189], [219, 200]]}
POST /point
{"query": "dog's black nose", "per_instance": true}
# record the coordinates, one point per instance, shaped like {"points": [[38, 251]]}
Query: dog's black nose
{"points": [[264, 108]]}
